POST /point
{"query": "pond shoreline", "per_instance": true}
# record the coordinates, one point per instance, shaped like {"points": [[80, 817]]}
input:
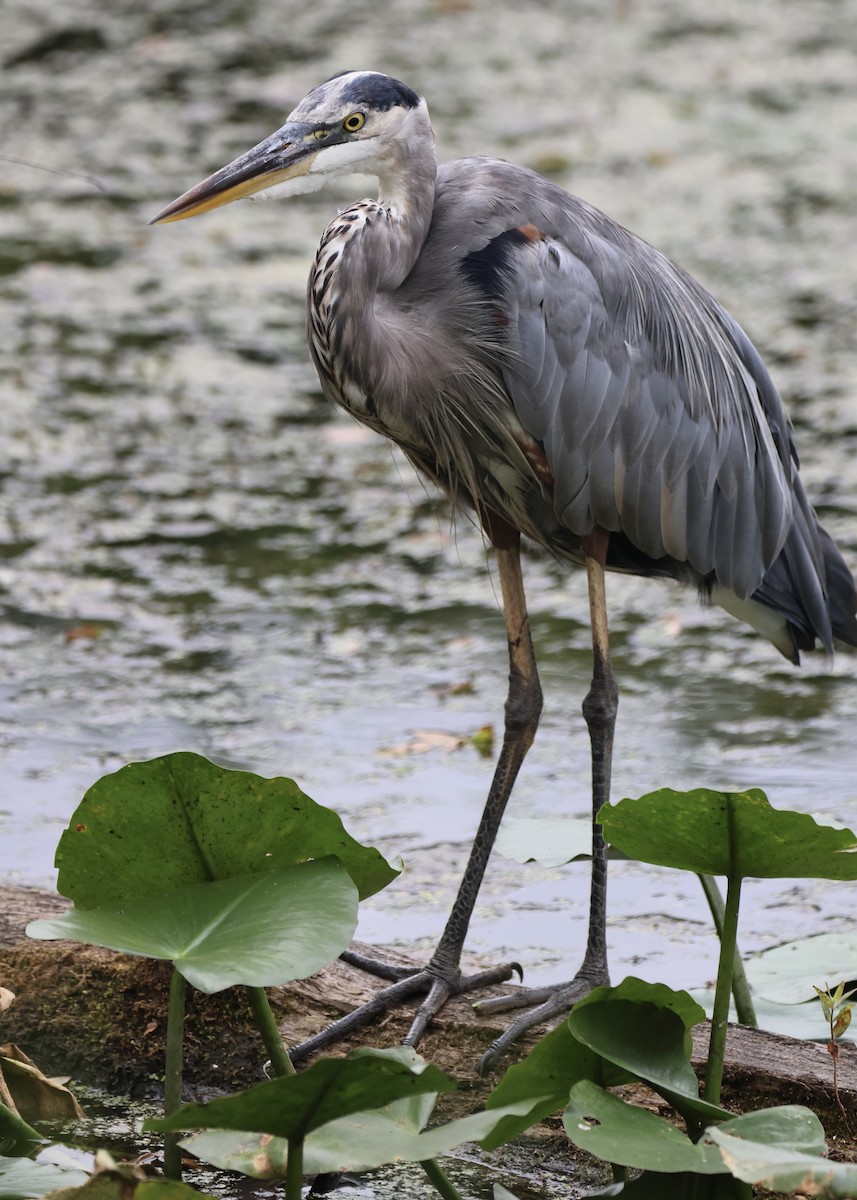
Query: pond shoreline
{"points": [[101, 1016]]}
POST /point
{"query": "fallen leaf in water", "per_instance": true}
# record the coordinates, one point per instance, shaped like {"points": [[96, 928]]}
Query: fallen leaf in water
{"points": [[82, 633], [422, 741], [461, 687], [34, 1096], [483, 740]]}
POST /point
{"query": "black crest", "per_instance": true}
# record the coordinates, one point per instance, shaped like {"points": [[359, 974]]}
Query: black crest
{"points": [[379, 92]]}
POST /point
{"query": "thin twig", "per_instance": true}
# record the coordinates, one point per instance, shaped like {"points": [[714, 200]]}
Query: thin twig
{"points": [[25, 162]]}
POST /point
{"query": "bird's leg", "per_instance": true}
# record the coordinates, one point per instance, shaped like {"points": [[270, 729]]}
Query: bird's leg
{"points": [[522, 712], [599, 711], [442, 977]]}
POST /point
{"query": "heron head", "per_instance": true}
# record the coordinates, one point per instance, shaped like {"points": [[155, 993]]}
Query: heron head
{"points": [[358, 121]]}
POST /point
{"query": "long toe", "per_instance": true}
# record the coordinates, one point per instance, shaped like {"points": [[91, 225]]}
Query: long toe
{"points": [[377, 966], [558, 1003], [523, 997], [374, 1008]]}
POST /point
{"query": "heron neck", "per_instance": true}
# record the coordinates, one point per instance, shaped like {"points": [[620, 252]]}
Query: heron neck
{"points": [[392, 244], [355, 327]]}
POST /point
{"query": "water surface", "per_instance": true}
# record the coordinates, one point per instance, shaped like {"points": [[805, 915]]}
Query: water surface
{"points": [[196, 553]]}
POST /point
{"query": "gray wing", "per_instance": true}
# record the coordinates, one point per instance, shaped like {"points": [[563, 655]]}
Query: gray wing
{"points": [[655, 414], [648, 410]]}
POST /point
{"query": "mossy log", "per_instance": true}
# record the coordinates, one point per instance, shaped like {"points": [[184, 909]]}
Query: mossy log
{"points": [[100, 1017]]}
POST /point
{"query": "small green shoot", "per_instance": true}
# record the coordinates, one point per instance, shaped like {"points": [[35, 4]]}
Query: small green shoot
{"points": [[837, 1006]]}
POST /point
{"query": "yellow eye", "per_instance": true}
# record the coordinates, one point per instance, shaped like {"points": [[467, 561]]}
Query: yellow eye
{"points": [[354, 122]]}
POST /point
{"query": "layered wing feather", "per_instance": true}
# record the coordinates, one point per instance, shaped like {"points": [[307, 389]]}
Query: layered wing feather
{"points": [[654, 424], [655, 414]]}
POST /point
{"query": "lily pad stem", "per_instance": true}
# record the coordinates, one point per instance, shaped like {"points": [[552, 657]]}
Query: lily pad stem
{"points": [[295, 1169], [740, 986], [720, 1016], [440, 1179], [15, 1130], [267, 1025], [173, 1072]]}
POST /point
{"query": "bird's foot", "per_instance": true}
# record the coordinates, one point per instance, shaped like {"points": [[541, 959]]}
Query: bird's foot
{"points": [[446, 985], [543, 1004], [437, 984]]}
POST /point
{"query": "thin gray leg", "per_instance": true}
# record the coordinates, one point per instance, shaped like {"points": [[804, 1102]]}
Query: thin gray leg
{"points": [[442, 977], [599, 710]]}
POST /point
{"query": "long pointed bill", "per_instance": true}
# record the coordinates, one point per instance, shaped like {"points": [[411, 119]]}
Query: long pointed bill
{"points": [[286, 154]]}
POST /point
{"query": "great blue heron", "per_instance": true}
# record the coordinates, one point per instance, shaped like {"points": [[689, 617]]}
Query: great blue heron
{"points": [[558, 378]]}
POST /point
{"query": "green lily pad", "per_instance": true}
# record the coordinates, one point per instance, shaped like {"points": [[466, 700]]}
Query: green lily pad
{"points": [[543, 1080], [115, 1186], [259, 1155], [390, 1146], [689, 1012], [681, 1185], [789, 1125], [160, 825], [362, 1141], [359, 1142], [625, 1134], [650, 1039], [21, 1178], [549, 841], [736, 834], [259, 930], [163, 1189], [631, 1136], [785, 1169], [293, 1106], [642, 1038], [787, 974]]}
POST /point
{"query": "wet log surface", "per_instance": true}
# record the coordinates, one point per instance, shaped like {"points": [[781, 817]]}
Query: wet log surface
{"points": [[101, 1017]]}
